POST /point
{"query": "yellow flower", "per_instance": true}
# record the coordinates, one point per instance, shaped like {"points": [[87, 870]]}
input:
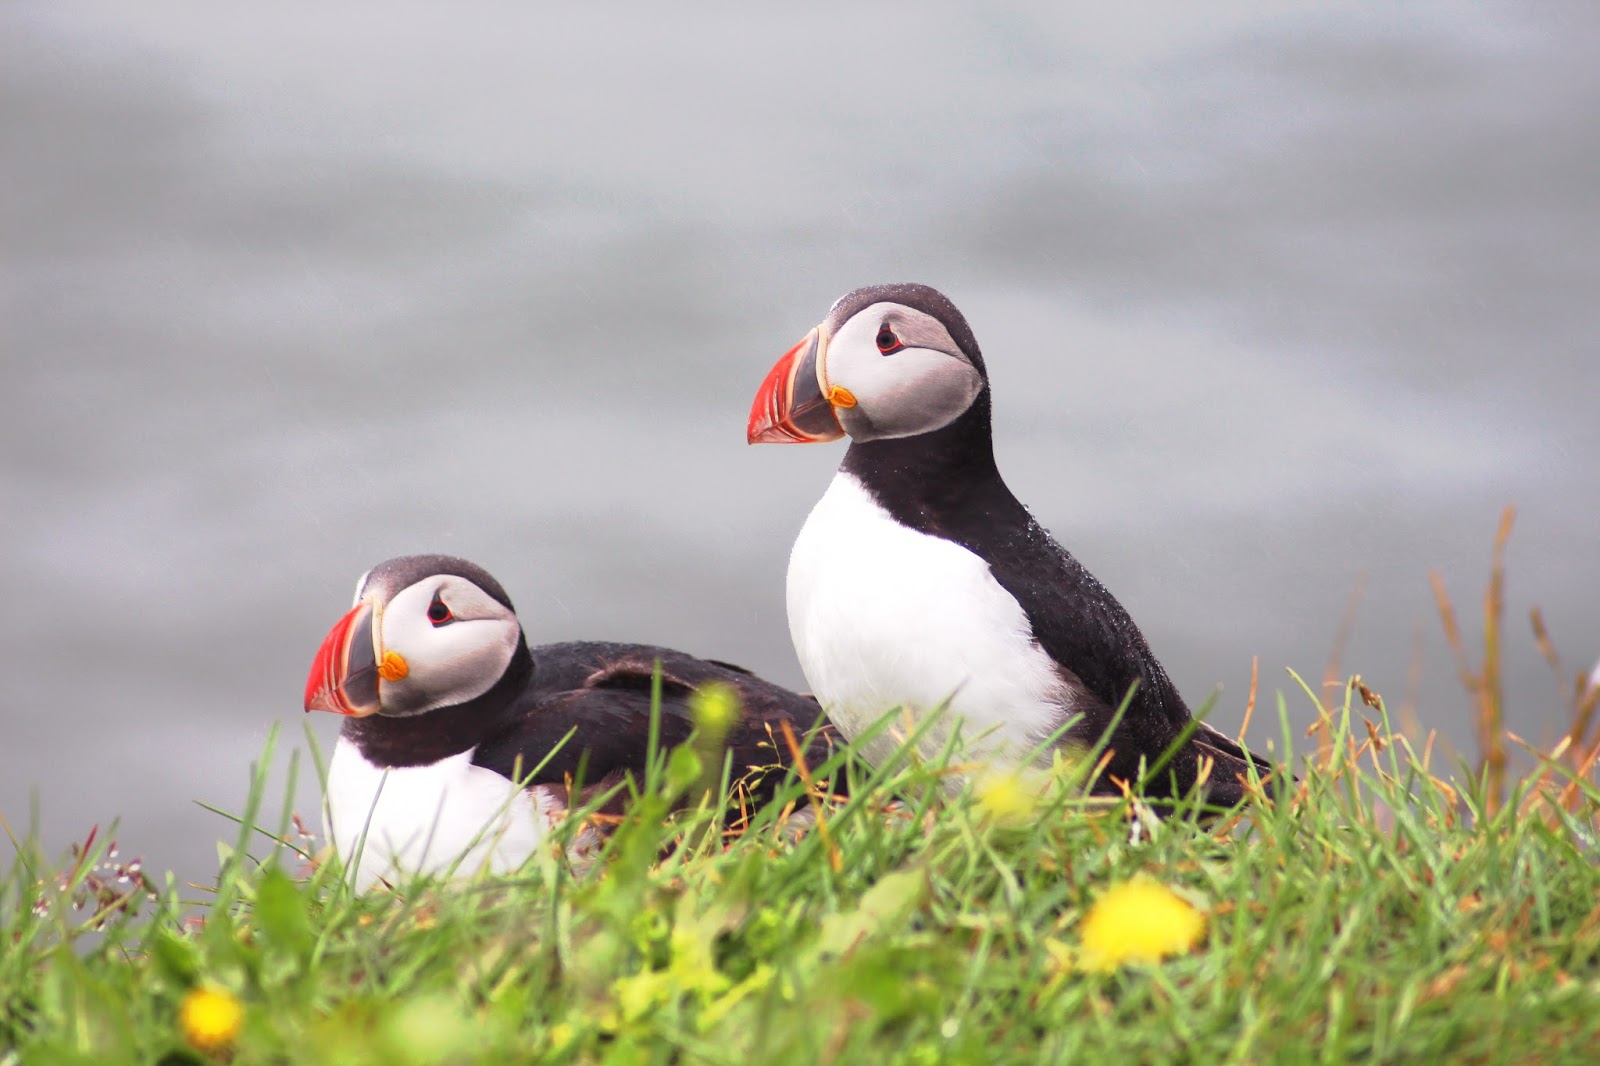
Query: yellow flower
{"points": [[1138, 921], [1006, 796], [714, 707], [638, 994], [210, 1018]]}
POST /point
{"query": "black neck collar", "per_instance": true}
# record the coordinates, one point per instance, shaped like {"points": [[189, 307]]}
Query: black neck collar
{"points": [[423, 739], [929, 481]]}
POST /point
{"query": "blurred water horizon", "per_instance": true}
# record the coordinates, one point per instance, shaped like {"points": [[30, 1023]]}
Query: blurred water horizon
{"points": [[1274, 302]]}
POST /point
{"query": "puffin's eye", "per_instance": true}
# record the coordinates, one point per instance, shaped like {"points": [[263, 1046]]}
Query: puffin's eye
{"points": [[887, 341], [438, 613]]}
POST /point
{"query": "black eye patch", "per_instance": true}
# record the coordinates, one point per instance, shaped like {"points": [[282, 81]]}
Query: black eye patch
{"points": [[439, 612]]}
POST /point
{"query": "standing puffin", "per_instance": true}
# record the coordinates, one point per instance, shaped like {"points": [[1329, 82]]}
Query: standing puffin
{"points": [[446, 702], [919, 580]]}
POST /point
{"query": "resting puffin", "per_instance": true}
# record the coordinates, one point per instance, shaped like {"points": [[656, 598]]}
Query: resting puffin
{"points": [[919, 579], [444, 697]]}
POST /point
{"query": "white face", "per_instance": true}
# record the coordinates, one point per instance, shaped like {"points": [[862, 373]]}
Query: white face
{"points": [[455, 639], [905, 372]]}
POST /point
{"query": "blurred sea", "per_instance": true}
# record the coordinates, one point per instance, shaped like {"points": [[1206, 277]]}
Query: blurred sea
{"points": [[1274, 303]]}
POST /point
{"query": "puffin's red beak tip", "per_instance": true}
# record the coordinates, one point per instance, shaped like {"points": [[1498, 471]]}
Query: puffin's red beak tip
{"points": [[789, 407], [325, 685]]}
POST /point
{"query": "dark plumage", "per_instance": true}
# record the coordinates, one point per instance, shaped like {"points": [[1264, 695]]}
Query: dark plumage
{"points": [[600, 692]]}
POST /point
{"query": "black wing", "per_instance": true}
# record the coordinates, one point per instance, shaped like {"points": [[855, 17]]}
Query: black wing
{"points": [[601, 695], [1091, 636], [1099, 651]]}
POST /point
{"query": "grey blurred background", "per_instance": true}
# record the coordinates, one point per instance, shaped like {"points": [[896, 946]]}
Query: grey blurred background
{"points": [[1272, 297]]}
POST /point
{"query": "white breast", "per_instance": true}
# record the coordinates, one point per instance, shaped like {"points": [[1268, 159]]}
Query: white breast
{"points": [[884, 617], [422, 819]]}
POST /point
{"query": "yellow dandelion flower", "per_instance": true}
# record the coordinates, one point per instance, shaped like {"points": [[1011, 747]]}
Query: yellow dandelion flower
{"points": [[1138, 921], [210, 1018], [714, 707], [1006, 796], [638, 994]]}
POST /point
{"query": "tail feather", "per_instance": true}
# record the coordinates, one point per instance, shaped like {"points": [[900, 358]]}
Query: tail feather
{"points": [[1231, 770]]}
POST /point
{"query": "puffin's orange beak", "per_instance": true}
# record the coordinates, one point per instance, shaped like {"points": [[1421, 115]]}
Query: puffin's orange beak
{"points": [[793, 406], [344, 675]]}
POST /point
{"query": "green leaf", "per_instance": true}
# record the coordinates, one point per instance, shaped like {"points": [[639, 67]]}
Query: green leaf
{"points": [[175, 958], [886, 907], [280, 911], [683, 770]]}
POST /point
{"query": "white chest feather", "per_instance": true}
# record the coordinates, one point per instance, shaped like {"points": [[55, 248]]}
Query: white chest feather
{"points": [[884, 617], [422, 819]]}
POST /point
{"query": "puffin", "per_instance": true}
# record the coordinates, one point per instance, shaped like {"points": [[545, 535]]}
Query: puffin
{"points": [[456, 755], [920, 584]]}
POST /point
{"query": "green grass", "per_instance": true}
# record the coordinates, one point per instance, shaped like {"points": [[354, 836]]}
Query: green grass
{"points": [[1378, 913]]}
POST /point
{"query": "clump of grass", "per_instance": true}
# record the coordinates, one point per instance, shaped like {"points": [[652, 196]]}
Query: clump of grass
{"points": [[1380, 910], [1483, 682], [1578, 751], [1386, 907]]}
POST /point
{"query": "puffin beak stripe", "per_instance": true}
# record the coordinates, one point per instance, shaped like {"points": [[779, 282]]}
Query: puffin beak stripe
{"points": [[793, 404], [344, 675]]}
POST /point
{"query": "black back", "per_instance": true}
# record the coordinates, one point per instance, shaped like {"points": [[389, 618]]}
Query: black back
{"points": [[601, 693]]}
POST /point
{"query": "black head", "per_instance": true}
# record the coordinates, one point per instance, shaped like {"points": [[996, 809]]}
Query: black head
{"points": [[889, 362], [389, 577], [916, 297], [426, 632]]}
